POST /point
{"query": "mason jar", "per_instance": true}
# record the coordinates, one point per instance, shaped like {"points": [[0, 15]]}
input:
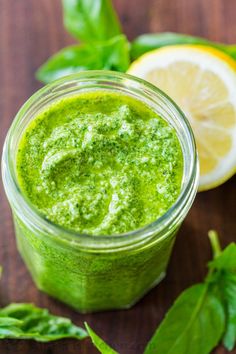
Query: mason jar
{"points": [[94, 273]]}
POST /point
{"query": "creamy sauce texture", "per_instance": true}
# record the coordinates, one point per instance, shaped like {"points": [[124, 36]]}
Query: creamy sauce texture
{"points": [[100, 163]]}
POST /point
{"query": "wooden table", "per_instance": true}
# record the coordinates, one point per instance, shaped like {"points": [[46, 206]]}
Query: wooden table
{"points": [[30, 31]]}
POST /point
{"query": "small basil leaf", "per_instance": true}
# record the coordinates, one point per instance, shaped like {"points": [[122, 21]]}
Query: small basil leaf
{"points": [[194, 324], [226, 260], [102, 346], [26, 321], [109, 55], [10, 328], [9, 322], [69, 60], [228, 289], [147, 42], [91, 20]]}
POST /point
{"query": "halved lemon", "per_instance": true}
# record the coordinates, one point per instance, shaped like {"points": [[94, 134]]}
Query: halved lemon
{"points": [[202, 81]]}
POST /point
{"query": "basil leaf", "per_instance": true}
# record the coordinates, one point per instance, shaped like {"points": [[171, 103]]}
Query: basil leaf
{"points": [[194, 324], [109, 55], [8, 322], [147, 42], [102, 346], [228, 289], [68, 61], [91, 20], [26, 321]]}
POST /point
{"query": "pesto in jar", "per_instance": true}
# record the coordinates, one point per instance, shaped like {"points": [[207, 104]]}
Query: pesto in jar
{"points": [[100, 163]]}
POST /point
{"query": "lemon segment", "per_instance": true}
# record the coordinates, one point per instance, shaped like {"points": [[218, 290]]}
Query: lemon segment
{"points": [[202, 81]]}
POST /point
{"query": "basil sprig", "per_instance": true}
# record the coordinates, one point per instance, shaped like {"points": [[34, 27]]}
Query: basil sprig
{"points": [[204, 314], [103, 46]]}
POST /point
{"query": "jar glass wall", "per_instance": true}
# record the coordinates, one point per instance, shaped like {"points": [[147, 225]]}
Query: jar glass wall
{"points": [[92, 273]]}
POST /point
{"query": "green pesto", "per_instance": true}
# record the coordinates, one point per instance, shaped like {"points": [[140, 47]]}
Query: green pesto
{"points": [[100, 163]]}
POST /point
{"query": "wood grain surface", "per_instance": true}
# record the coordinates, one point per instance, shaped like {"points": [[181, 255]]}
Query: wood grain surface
{"points": [[30, 31]]}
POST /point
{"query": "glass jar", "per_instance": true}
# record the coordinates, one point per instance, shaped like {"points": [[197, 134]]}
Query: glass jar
{"points": [[93, 273]]}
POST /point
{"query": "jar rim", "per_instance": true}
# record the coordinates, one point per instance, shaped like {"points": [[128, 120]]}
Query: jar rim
{"points": [[173, 216]]}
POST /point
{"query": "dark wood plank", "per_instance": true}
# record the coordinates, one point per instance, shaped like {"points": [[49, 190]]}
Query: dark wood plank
{"points": [[30, 31]]}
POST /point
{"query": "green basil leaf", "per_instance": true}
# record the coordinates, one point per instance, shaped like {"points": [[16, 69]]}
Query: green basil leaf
{"points": [[26, 321], [226, 260], [91, 20], [69, 60], [102, 346], [194, 324], [147, 42], [228, 289], [9, 322], [109, 55]]}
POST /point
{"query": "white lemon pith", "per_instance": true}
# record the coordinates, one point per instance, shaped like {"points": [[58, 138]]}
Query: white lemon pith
{"points": [[202, 81]]}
